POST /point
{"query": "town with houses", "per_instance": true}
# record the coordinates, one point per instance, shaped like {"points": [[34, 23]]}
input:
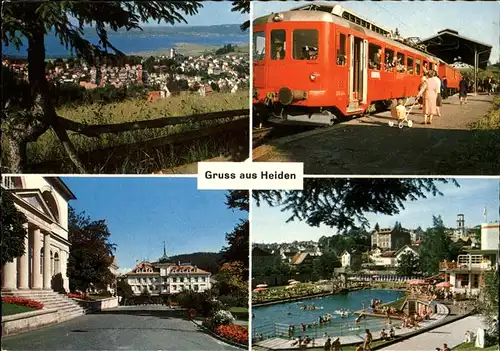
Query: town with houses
{"points": [[205, 73], [388, 245]]}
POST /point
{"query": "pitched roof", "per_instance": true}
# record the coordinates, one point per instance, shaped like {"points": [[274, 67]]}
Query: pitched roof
{"points": [[299, 258], [189, 270]]}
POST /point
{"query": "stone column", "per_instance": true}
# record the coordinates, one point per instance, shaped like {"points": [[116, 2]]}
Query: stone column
{"points": [[9, 281], [23, 264], [47, 272], [37, 277]]}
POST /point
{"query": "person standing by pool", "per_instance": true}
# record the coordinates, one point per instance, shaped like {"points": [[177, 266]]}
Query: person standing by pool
{"points": [[336, 345], [328, 344], [367, 345]]}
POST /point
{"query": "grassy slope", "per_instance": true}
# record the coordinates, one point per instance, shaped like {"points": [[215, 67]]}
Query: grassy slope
{"points": [[47, 147], [10, 309]]}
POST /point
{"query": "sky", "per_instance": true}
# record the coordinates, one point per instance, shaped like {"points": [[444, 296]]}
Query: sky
{"points": [[477, 20], [212, 13], [141, 213], [268, 223]]}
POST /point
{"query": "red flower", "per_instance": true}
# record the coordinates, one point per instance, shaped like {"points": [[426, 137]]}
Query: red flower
{"points": [[233, 332], [21, 301], [78, 296]]}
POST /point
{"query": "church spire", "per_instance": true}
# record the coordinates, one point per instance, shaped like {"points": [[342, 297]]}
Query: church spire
{"points": [[164, 258]]}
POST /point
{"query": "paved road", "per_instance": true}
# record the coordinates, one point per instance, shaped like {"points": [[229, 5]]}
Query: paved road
{"points": [[369, 146], [131, 328], [452, 334]]}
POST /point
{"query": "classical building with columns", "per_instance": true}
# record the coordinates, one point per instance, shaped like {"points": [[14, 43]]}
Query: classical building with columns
{"points": [[44, 202]]}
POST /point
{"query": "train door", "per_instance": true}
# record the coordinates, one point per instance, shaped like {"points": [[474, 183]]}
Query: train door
{"points": [[358, 73]]}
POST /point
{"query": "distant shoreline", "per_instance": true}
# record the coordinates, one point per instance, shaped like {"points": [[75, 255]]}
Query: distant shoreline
{"points": [[188, 49]]}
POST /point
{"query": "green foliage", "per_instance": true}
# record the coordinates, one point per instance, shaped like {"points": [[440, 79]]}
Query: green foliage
{"points": [[226, 49], [436, 246], [238, 239], [203, 302], [342, 202], [13, 232], [237, 249], [408, 265], [270, 270], [354, 239], [124, 289], [208, 261], [489, 305], [90, 252]]}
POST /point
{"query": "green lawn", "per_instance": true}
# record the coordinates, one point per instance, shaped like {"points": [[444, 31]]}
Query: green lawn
{"points": [[239, 312], [10, 309], [471, 347]]}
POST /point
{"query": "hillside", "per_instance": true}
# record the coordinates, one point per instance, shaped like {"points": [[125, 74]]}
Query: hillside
{"points": [[207, 261]]}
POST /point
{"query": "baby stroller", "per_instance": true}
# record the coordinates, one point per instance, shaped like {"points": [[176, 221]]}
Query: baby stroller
{"points": [[401, 123]]}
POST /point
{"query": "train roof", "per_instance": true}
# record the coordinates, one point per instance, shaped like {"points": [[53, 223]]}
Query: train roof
{"points": [[322, 16]]}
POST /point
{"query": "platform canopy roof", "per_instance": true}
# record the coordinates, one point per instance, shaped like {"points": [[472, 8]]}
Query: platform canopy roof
{"points": [[451, 47]]}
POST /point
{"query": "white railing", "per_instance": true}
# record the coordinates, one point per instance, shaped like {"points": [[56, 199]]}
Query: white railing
{"points": [[473, 261]]}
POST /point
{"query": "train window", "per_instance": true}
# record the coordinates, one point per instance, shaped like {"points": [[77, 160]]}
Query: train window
{"points": [[431, 66], [425, 67], [341, 49], [409, 64], [389, 61], [400, 62], [417, 66], [259, 46], [278, 44], [374, 56], [305, 44]]}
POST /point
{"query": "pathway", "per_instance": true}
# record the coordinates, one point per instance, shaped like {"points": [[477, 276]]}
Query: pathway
{"points": [[369, 146], [122, 328], [452, 334]]}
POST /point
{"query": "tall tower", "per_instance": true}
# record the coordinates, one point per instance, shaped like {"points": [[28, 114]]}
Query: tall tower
{"points": [[460, 225]]}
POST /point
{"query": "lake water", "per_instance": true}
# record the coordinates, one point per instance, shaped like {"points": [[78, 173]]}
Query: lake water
{"points": [[289, 313], [134, 42]]}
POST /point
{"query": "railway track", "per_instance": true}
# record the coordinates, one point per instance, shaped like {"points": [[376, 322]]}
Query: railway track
{"points": [[269, 132]]}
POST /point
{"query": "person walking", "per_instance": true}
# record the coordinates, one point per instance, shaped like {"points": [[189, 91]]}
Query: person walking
{"points": [[439, 97], [463, 86], [429, 93], [444, 88]]}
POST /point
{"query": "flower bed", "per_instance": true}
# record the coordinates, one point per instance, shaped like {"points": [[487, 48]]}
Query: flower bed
{"points": [[21, 301], [78, 296], [233, 332]]}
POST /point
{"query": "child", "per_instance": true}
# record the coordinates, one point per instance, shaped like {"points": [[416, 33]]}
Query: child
{"points": [[401, 111]]}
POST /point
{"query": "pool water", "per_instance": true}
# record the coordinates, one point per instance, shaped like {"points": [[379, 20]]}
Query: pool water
{"points": [[289, 313]]}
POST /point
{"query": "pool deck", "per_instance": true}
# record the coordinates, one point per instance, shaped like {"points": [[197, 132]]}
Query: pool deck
{"points": [[284, 344]]}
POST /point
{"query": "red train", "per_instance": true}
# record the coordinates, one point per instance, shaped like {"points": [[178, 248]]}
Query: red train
{"points": [[315, 64]]}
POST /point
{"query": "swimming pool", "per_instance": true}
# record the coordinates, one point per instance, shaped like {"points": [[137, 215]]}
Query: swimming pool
{"points": [[274, 320]]}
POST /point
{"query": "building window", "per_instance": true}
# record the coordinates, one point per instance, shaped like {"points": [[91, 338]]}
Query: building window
{"points": [[409, 63], [389, 61], [278, 44], [259, 46], [400, 63], [341, 49], [374, 56], [305, 44]]}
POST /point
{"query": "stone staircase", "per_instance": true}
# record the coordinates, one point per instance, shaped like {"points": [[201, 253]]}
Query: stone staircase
{"points": [[66, 308]]}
